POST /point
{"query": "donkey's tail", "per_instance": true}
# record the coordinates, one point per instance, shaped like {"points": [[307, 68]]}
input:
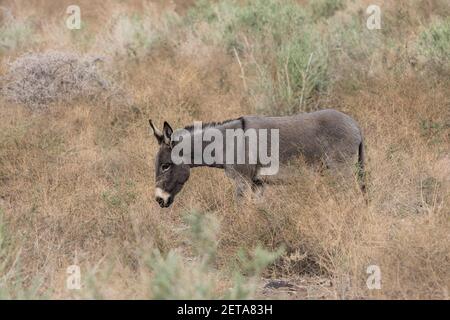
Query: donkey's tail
{"points": [[361, 167]]}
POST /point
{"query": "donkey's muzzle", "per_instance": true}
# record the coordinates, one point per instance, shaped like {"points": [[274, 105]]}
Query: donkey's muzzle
{"points": [[160, 201], [163, 198], [164, 203]]}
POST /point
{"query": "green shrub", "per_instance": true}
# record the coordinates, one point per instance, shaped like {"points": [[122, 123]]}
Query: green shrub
{"points": [[133, 36], [282, 55], [276, 19], [434, 44], [325, 8], [358, 54], [14, 35], [305, 72]]}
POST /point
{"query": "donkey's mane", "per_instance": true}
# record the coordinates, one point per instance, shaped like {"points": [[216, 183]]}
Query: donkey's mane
{"points": [[212, 124]]}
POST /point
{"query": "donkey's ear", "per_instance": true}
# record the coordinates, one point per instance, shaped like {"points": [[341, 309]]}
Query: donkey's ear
{"points": [[167, 132], [158, 134]]}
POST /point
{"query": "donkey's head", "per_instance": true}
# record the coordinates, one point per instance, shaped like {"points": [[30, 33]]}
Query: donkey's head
{"points": [[169, 177]]}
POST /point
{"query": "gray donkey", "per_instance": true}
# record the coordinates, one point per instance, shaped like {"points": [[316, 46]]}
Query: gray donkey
{"points": [[327, 138]]}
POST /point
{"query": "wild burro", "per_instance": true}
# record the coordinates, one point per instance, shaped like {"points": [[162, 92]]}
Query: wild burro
{"points": [[253, 149]]}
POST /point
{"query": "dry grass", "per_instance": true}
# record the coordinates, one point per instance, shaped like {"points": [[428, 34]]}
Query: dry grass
{"points": [[76, 181]]}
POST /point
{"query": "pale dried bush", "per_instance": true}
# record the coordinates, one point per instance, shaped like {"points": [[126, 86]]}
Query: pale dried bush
{"points": [[38, 79]]}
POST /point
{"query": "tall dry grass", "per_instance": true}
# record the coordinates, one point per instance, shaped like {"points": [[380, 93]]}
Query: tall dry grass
{"points": [[76, 179]]}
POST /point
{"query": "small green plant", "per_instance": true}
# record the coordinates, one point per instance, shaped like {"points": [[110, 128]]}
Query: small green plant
{"points": [[251, 266], [173, 278], [12, 283], [203, 230], [120, 197], [434, 131], [256, 262], [176, 276]]}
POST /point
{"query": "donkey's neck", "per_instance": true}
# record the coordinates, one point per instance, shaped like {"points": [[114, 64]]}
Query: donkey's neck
{"points": [[198, 144], [197, 153]]}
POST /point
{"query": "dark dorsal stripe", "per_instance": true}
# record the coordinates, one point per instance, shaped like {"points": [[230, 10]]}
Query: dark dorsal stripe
{"points": [[214, 124]]}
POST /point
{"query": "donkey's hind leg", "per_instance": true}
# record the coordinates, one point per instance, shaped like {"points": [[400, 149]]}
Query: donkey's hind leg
{"points": [[241, 186], [258, 188], [345, 172]]}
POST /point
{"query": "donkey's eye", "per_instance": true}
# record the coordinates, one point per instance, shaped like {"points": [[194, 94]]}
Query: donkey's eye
{"points": [[165, 166]]}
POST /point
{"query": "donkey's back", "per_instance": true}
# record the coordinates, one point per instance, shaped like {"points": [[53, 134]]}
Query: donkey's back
{"points": [[327, 135]]}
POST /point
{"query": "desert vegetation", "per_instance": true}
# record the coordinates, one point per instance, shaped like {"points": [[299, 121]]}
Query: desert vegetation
{"points": [[76, 155]]}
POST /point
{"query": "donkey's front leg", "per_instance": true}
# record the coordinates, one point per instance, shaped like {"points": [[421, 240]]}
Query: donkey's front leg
{"points": [[240, 187], [240, 182]]}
